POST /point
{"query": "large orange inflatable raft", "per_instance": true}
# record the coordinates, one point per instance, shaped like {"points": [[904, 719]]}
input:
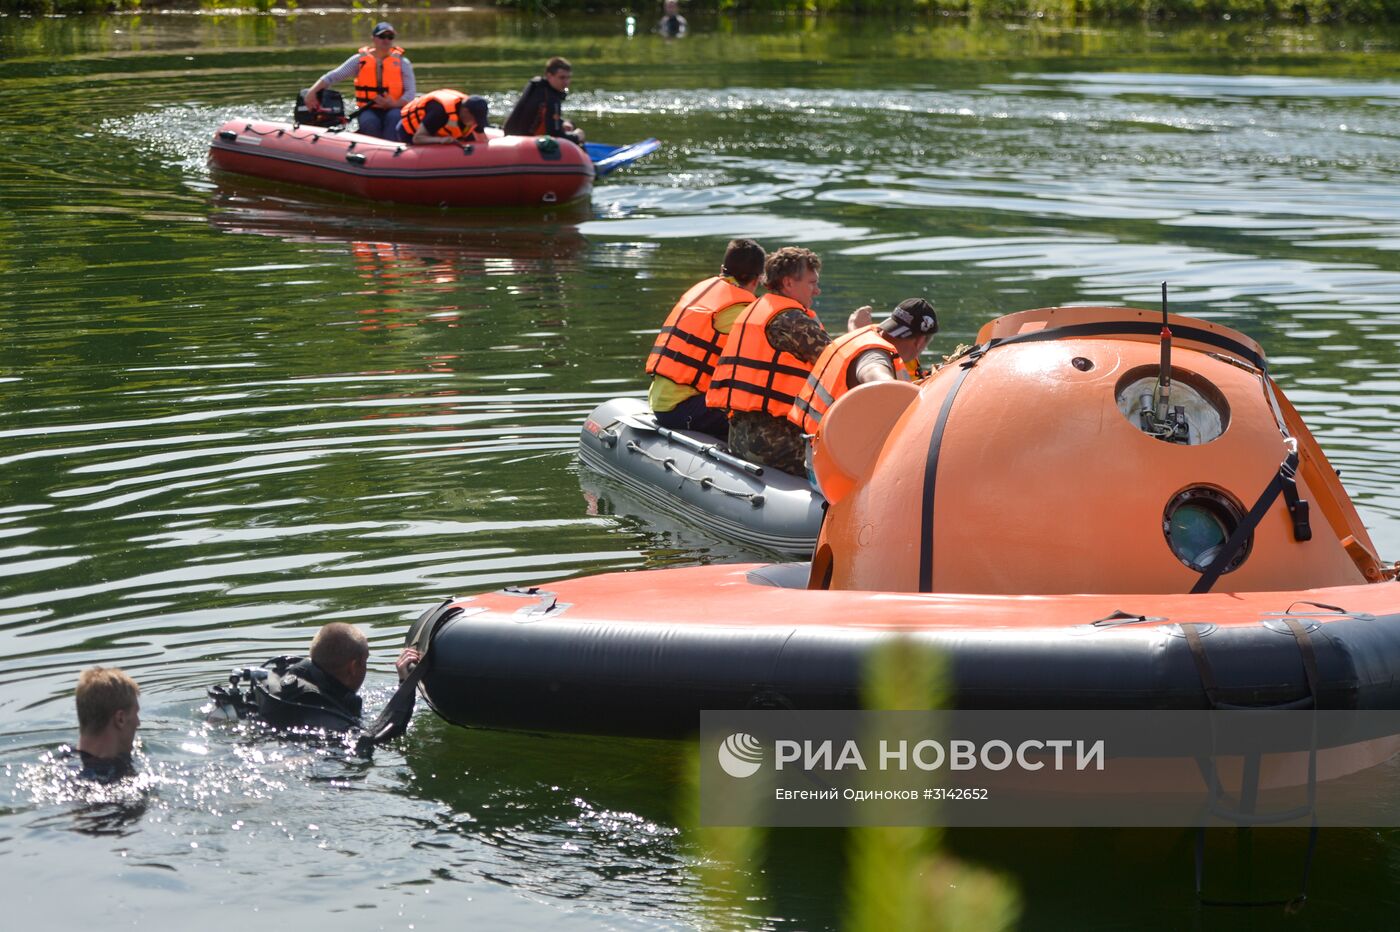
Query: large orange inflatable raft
{"points": [[1070, 528], [500, 172]]}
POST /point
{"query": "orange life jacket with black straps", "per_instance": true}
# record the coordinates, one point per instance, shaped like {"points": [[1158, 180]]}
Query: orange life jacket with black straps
{"points": [[414, 111], [379, 76], [688, 345], [750, 374], [831, 374]]}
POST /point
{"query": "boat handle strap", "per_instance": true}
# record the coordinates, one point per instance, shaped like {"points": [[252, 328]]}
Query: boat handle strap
{"points": [[1309, 654], [393, 721], [1285, 482]]}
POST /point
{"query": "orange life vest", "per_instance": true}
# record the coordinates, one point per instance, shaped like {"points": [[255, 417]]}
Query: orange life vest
{"points": [[831, 374], [750, 374], [379, 76], [414, 111], [688, 345]]}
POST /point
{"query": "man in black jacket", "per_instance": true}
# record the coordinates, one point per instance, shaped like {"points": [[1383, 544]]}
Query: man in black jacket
{"points": [[538, 112]]}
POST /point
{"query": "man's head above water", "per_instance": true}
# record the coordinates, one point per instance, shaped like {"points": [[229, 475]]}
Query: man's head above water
{"points": [[342, 651]]}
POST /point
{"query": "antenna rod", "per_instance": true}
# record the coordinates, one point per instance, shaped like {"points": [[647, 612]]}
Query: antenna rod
{"points": [[1161, 401]]}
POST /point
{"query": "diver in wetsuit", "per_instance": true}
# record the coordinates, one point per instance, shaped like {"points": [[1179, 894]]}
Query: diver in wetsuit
{"points": [[320, 691]]}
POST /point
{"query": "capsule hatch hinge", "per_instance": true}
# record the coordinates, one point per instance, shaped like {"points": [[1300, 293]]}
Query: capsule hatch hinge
{"points": [[1366, 561]]}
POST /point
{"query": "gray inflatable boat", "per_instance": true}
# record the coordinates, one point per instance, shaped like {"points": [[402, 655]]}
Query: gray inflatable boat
{"points": [[691, 475]]}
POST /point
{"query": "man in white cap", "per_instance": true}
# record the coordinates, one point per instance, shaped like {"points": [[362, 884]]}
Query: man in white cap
{"points": [[384, 82]]}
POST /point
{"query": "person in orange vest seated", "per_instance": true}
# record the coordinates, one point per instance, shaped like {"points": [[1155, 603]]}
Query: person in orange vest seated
{"points": [[383, 83], [766, 360], [683, 358], [876, 353], [443, 116]]}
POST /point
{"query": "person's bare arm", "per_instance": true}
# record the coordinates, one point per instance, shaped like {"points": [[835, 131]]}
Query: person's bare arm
{"points": [[421, 137], [873, 366]]}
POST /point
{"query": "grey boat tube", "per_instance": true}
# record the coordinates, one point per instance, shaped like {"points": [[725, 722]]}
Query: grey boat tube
{"points": [[690, 475]]}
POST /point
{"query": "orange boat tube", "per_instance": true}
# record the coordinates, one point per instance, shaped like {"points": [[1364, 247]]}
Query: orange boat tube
{"points": [[503, 171], [1072, 525]]}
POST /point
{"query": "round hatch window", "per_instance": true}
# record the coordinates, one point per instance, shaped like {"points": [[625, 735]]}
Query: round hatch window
{"points": [[1192, 412], [1198, 522]]}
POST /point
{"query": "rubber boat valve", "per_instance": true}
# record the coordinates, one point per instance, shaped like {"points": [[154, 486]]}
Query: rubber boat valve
{"points": [[227, 135]]}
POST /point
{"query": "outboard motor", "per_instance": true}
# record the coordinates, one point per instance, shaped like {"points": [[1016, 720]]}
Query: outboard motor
{"points": [[331, 115]]}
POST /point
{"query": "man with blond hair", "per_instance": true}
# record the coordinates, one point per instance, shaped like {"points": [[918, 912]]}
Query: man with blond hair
{"points": [[109, 712], [331, 677]]}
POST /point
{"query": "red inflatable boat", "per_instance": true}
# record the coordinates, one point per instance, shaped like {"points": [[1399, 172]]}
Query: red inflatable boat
{"points": [[504, 171]]}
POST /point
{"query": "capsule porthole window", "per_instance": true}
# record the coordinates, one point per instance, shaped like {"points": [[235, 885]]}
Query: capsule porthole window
{"points": [[1198, 522]]}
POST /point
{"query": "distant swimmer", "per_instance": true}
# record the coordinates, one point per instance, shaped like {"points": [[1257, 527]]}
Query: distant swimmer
{"points": [[384, 82], [875, 353], [539, 111], [683, 358], [109, 712], [672, 24], [319, 692]]}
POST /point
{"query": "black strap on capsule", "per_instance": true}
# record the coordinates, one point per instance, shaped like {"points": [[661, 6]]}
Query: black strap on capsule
{"points": [[935, 444], [1244, 816], [1285, 483]]}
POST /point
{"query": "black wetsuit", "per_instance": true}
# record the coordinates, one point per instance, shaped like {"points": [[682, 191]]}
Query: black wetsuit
{"points": [[672, 26], [105, 769], [305, 696], [539, 112]]}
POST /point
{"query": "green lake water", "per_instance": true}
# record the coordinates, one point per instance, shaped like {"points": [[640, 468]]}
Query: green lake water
{"points": [[230, 412]]}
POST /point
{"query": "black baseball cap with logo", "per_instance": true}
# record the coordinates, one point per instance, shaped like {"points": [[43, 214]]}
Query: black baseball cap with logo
{"points": [[912, 317]]}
